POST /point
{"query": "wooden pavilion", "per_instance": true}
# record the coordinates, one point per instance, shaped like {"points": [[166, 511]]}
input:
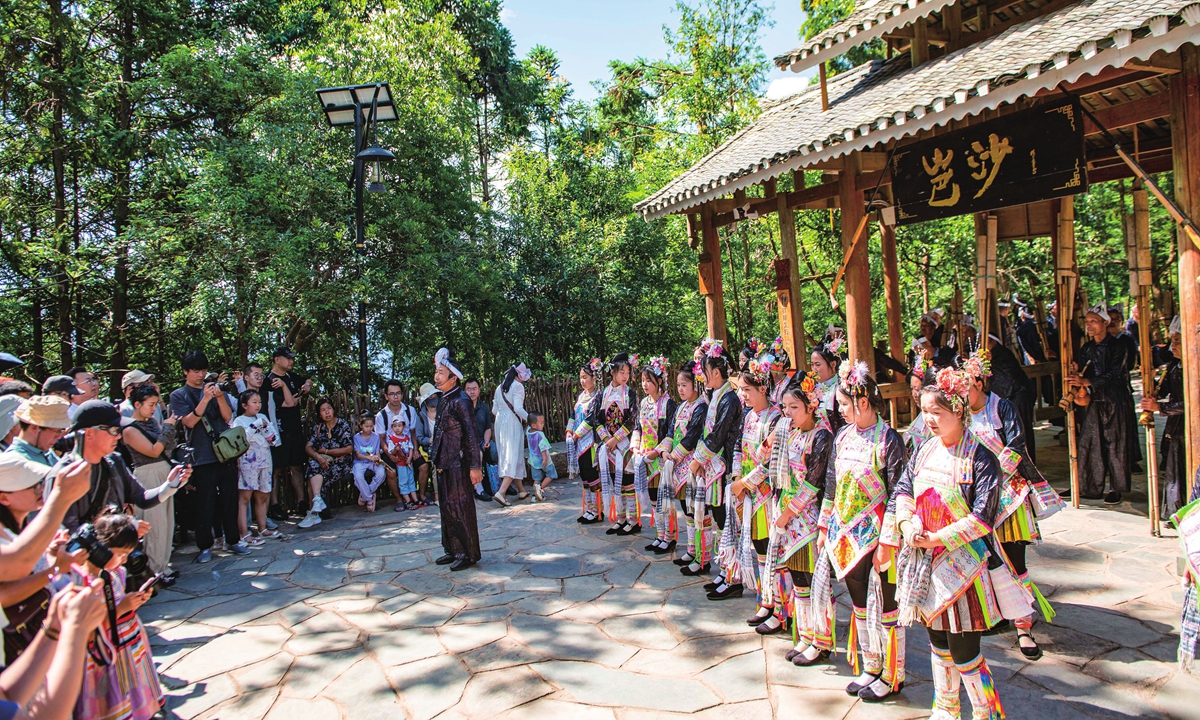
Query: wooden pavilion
{"points": [[1124, 75]]}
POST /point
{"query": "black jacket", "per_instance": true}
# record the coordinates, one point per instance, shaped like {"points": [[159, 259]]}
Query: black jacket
{"points": [[454, 443], [726, 433]]}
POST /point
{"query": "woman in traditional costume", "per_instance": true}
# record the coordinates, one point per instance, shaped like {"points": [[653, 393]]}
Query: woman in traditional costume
{"points": [[613, 414], [945, 505], [746, 534], [868, 458], [917, 433], [1024, 493], [654, 419], [800, 455], [826, 360], [779, 371], [581, 443], [676, 481], [713, 457], [1168, 401]]}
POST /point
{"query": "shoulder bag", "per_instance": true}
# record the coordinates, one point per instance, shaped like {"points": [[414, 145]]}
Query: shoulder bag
{"points": [[228, 445]]}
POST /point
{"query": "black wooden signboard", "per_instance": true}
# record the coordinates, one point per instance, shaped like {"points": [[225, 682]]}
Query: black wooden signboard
{"points": [[1030, 155]]}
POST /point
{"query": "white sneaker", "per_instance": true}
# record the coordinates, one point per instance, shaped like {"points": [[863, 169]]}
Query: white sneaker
{"points": [[313, 518], [537, 493], [318, 504]]}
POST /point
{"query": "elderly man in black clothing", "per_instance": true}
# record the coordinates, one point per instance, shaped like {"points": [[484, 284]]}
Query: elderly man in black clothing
{"points": [[1103, 435], [454, 451], [1010, 382]]}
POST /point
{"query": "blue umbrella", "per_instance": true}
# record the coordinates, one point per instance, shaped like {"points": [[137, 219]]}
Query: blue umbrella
{"points": [[9, 361]]}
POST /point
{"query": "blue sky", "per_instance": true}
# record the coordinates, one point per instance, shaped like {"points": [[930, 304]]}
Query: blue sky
{"points": [[586, 35]]}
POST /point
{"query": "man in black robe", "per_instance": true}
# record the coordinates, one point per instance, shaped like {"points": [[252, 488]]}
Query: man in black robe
{"points": [[454, 451], [1103, 435], [1030, 341], [1168, 400], [1010, 382]]}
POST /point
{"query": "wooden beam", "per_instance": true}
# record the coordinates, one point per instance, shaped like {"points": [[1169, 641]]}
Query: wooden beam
{"points": [[1185, 118], [711, 285], [919, 51], [891, 293], [791, 311], [824, 87], [858, 272], [1129, 113], [1066, 277], [1141, 285], [1120, 170], [1160, 62], [952, 23], [933, 35], [693, 229]]}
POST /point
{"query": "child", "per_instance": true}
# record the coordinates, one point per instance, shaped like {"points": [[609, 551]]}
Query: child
{"points": [[366, 457], [119, 678], [255, 467], [539, 455], [400, 449]]}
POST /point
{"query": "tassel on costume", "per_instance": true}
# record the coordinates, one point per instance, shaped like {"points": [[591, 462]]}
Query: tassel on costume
{"points": [[852, 640], [981, 688], [893, 651], [1043, 604]]}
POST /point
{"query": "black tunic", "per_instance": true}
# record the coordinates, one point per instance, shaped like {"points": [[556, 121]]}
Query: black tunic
{"points": [[1173, 466], [1104, 441], [1010, 382], [454, 450]]}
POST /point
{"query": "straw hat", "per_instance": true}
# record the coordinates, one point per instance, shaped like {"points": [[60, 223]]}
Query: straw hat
{"points": [[48, 411]]}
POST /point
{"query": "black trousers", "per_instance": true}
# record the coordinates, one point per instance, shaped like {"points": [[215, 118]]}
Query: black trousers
{"points": [[963, 647], [857, 583], [215, 502]]}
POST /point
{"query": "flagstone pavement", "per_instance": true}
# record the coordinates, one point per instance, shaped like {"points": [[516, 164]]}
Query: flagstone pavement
{"points": [[352, 619]]}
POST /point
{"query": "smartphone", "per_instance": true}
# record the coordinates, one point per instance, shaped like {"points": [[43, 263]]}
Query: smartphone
{"points": [[154, 580], [79, 444]]}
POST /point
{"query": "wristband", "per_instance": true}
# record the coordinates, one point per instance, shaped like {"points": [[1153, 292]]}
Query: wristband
{"points": [[50, 633]]}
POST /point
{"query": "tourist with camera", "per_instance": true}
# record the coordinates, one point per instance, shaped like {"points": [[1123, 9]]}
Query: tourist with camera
{"points": [[150, 445], [119, 678], [43, 421], [203, 409], [96, 430]]}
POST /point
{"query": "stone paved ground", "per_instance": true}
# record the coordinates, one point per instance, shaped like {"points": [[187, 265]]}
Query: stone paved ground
{"points": [[353, 620]]}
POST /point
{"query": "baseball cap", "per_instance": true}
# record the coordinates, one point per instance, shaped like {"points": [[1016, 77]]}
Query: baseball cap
{"points": [[283, 351], [135, 377], [95, 413], [60, 383]]}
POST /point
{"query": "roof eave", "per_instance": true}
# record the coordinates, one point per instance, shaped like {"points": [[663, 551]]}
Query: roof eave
{"points": [[806, 156]]}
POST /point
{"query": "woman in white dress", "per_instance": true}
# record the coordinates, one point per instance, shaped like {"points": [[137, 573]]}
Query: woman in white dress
{"points": [[508, 404]]}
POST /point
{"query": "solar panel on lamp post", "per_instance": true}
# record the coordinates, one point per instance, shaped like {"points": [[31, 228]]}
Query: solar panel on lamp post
{"points": [[362, 107]]}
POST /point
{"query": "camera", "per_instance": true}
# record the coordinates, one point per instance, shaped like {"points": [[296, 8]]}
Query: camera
{"points": [[84, 538], [183, 455]]}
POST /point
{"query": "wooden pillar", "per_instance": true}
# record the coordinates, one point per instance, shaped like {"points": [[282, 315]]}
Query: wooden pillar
{"points": [[858, 269], [987, 309], [791, 316], [1066, 275], [891, 293], [1185, 145], [919, 53], [710, 275], [1141, 283]]}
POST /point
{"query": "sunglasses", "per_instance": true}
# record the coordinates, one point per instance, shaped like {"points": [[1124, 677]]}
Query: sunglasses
{"points": [[113, 431]]}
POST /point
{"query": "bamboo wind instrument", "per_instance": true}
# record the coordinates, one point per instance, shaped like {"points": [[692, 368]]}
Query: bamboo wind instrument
{"points": [[1147, 421]]}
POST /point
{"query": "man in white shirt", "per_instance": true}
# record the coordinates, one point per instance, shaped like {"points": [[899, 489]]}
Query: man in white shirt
{"points": [[88, 385]]}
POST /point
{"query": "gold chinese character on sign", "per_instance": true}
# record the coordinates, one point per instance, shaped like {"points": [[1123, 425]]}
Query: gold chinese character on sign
{"points": [[941, 174], [986, 163]]}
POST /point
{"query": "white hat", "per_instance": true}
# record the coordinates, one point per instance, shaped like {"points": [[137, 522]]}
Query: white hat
{"points": [[135, 377], [427, 390], [1175, 329], [443, 358], [938, 312], [8, 413], [17, 473], [969, 321], [1099, 310]]}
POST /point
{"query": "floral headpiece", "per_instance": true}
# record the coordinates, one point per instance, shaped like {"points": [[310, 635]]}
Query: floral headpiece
{"points": [[759, 369], [595, 366], [810, 385], [780, 353], [755, 346], [633, 361], [979, 364], [955, 385], [658, 366], [854, 378], [709, 348], [697, 369], [835, 345]]}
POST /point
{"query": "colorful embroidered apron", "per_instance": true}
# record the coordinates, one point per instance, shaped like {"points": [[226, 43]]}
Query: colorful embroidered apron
{"points": [[614, 403], [576, 448], [747, 516], [856, 517]]}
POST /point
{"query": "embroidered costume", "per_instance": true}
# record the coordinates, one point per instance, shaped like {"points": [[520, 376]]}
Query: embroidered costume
{"points": [[612, 415], [654, 417], [581, 455], [722, 425], [676, 481]]}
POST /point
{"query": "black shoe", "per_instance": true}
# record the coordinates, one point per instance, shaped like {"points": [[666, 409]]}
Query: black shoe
{"points": [[868, 695], [681, 562], [854, 688], [630, 530], [483, 497], [1136, 469], [654, 546], [593, 521], [757, 619], [664, 549], [445, 559], [614, 529], [1033, 653], [461, 564], [765, 629], [799, 660], [710, 586], [791, 654], [687, 570], [1113, 498], [730, 591]]}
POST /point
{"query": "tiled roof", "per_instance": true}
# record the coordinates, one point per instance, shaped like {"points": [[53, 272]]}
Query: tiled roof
{"points": [[871, 19], [885, 100]]}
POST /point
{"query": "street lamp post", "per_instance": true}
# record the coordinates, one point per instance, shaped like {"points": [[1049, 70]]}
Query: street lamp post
{"points": [[364, 107]]}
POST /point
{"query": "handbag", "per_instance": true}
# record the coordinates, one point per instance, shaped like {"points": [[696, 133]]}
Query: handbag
{"points": [[504, 397], [25, 619], [228, 445]]}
